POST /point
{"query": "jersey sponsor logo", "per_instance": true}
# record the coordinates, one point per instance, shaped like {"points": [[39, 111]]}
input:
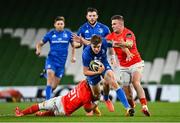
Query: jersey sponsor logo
{"points": [[60, 41], [129, 35]]}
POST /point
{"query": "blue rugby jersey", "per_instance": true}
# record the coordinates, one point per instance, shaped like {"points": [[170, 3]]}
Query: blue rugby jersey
{"points": [[59, 43], [87, 30]]}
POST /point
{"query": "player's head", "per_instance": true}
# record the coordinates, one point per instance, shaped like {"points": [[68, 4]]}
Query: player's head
{"points": [[117, 22], [59, 23], [92, 15], [96, 42]]}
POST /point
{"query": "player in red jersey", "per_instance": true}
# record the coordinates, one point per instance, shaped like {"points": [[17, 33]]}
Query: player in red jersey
{"points": [[129, 59], [81, 95]]}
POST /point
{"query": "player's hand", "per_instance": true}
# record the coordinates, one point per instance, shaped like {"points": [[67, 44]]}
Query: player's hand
{"points": [[73, 60], [38, 52], [129, 57], [101, 69], [76, 38]]}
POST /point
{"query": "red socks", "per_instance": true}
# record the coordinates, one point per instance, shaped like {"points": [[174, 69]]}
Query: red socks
{"points": [[143, 101], [34, 108]]}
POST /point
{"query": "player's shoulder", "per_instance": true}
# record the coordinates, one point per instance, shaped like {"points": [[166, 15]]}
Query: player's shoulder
{"points": [[85, 25], [127, 30], [86, 50], [51, 32], [102, 25], [68, 31], [109, 36]]}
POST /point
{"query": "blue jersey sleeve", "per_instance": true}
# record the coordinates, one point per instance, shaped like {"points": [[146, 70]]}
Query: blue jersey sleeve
{"points": [[106, 43], [85, 59], [106, 30], [46, 38], [70, 35], [80, 32]]}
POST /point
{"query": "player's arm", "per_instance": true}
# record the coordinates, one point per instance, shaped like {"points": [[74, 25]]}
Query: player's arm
{"points": [[123, 44], [113, 57], [73, 59], [39, 47], [89, 106], [128, 53], [88, 72], [80, 39]]}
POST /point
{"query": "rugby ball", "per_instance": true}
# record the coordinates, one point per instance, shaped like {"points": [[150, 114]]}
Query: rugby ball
{"points": [[95, 64]]}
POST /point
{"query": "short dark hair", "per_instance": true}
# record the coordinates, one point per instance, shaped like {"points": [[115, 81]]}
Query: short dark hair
{"points": [[59, 18], [96, 39], [117, 17], [90, 9]]}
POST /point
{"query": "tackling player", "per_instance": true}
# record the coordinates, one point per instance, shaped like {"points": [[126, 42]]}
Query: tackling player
{"points": [[59, 40], [124, 38], [81, 95]]}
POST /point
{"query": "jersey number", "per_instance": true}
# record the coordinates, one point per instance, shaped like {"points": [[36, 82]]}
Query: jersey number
{"points": [[72, 94]]}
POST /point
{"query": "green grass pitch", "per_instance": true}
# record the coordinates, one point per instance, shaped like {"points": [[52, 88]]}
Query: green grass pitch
{"points": [[161, 112]]}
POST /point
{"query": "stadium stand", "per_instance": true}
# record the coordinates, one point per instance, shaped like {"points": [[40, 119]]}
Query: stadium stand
{"points": [[156, 28]]}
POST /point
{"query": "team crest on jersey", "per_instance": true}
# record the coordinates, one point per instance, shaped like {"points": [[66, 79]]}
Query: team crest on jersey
{"points": [[100, 30], [65, 35], [54, 36], [87, 31]]}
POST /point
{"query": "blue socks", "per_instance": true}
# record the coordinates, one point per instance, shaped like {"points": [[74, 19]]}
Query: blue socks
{"points": [[121, 96], [106, 97], [48, 92]]}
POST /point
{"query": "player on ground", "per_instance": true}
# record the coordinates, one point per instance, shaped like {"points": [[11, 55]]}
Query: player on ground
{"points": [[97, 51], [133, 64], [81, 95], [84, 34], [59, 40]]}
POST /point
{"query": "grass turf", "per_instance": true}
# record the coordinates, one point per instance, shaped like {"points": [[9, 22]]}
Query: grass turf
{"points": [[161, 112]]}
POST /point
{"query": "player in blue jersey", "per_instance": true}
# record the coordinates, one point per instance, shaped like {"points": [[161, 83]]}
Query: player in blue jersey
{"points": [[97, 51], [59, 40], [90, 28], [84, 34]]}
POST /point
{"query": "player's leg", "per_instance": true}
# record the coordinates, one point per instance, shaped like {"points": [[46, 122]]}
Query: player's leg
{"points": [[110, 78], [96, 91], [108, 102], [129, 94], [96, 95], [49, 105], [95, 88], [30, 110], [136, 79], [50, 81]]}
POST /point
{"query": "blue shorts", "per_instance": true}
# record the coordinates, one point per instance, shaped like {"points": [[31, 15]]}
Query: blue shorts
{"points": [[93, 80], [58, 68]]}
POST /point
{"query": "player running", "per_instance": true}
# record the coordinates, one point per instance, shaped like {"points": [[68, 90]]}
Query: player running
{"points": [[97, 51], [59, 40], [131, 64]]}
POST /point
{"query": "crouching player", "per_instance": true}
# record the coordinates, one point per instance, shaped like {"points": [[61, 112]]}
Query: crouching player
{"points": [[81, 95]]}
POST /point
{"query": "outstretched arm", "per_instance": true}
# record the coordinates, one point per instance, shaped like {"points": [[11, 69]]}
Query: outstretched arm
{"points": [[80, 39]]}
